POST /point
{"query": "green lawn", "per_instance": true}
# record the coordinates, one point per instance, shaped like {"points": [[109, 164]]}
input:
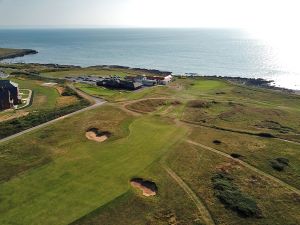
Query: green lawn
{"points": [[83, 175], [43, 97], [122, 95], [100, 91]]}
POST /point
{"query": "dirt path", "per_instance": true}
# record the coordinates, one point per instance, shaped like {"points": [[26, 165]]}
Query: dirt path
{"points": [[254, 169], [201, 207], [288, 141]]}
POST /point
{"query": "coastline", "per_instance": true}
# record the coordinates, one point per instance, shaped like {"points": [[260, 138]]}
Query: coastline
{"points": [[253, 82], [15, 53]]}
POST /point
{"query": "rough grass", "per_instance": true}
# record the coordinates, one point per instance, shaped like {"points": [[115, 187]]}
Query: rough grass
{"points": [[232, 197], [82, 175], [196, 166], [247, 117], [151, 105], [256, 151]]}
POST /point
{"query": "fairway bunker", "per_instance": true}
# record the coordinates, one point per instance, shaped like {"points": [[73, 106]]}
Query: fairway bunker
{"points": [[94, 134], [148, 188]]}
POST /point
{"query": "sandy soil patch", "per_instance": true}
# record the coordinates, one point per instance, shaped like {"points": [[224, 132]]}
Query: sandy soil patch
{"points": [[66, 100], [148, 188], [10, 116], [94, 134], [49, 84], [39, 99], [60, 89], [227, 167]]}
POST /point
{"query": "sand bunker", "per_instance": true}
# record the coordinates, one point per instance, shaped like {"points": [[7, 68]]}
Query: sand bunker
{"points": [[50, 84], [148, 188], [94, 134]]}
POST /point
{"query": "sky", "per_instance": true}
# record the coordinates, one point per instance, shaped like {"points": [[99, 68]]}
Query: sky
{"points": [[250, 14]]}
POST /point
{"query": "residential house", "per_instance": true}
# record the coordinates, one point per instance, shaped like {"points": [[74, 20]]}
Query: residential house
{"points": [[9, 94]]}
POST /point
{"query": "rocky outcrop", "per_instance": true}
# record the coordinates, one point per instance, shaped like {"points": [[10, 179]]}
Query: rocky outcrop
{"points": [[18, 53]]}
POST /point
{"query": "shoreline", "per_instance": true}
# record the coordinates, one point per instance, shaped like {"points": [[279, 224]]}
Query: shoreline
{"points": [[17, 53], [254, 82]]}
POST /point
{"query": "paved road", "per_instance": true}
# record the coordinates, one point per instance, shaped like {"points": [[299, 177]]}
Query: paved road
{"points": [[278, 181], [201, 207], [97, 102]]}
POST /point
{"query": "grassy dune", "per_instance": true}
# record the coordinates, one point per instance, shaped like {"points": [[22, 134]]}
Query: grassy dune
{"points": [[196, 166]]}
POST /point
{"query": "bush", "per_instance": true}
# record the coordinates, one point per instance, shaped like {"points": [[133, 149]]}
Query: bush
{"points": [[231, 197], [283, 161], [69, 92], [217, 142], [236, 155], [279, 164], [266, 135]]}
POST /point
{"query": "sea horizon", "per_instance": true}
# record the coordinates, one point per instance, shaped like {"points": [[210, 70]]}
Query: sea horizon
{"points": [[205, 51]]}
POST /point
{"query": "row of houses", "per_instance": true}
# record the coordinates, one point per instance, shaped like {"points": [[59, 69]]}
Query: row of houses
{"points": [[9, 94]]}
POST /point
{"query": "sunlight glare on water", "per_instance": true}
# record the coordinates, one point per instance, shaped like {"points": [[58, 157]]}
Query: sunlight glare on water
{"points": [[283, 49]]}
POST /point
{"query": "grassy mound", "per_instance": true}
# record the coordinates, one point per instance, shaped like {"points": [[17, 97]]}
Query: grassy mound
{"points": [[200, 104], [151, 105], [279, 164], [233, 198]]}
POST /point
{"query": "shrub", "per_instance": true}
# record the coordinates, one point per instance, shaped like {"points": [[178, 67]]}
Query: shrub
{"points": [[236, 155], [217, 142], [266, 135], [69, 92], [283, 161], [279, 164], [231, 197]]}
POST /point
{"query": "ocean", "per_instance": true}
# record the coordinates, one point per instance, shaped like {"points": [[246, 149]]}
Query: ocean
{"points": [[224, 52]]}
